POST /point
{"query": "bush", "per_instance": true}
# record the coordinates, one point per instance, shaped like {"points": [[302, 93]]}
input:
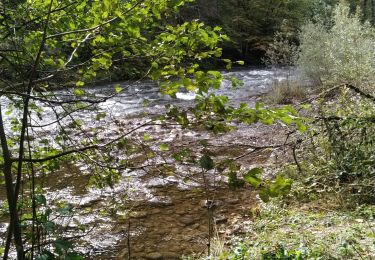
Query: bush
{"points": [[341, 53], [339, 156]]}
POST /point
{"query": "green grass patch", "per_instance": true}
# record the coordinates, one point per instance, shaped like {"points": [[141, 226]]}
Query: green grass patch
{"points": [[307, 233]]}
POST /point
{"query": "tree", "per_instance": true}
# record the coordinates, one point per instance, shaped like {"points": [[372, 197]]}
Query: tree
{"points": [[340, 52], [45, 41], [251, 25]]}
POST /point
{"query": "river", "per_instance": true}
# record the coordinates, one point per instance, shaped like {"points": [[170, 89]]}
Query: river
{"points": [[160, 211]]}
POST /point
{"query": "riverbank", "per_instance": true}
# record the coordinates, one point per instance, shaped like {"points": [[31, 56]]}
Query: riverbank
{"points": [[326, 215]]}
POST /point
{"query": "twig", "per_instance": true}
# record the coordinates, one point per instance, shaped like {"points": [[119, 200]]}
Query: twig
{"points": [[295, 159]]}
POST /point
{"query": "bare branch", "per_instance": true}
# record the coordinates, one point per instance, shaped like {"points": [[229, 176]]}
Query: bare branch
{"points": [[56, 156], [59, 102], [82, 149]]}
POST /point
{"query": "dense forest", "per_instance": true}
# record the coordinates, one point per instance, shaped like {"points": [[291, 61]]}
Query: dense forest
{"points": [[252, 25], [187, 129]]}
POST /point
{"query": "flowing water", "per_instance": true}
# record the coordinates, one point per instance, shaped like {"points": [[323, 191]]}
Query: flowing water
{"points": [[157, 210]]}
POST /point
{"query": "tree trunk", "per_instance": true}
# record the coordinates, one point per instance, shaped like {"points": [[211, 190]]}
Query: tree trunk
{"points": [[14, 223]]}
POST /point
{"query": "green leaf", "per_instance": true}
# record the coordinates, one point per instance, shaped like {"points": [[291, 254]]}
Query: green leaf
{"points": [[287, 119], [80, 83], [306, 106], [146, 102], [100, 115], [233, 181], [41, 200], [146, 137], [163, 147], [240, 62], [280, 187], [79, 92], [118, 89], [252, 178], [203, 142], [206, 162], [49, 226], [255, 171], [301, 127], [216, 74], [264, 195]]}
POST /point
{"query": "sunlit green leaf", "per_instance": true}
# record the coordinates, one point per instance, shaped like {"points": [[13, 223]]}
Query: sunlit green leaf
{"points": [[118, 89], [80, 83], [252, 177], [79, 92], [163, 147]]}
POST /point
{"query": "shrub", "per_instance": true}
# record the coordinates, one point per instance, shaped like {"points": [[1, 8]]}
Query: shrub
{"points": [[339, 156], [341, 53]]}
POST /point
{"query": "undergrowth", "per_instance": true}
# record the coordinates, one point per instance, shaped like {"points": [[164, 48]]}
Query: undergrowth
{"points": [[329, 213], [307, 233]]}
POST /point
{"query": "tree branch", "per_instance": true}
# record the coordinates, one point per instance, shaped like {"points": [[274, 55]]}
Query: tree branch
{"points": [[91, 29], [359, 91], [82, 149]]}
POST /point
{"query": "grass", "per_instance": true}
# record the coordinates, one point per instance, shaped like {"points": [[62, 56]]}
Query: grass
{"points": [[286, 92], [306, 233]]}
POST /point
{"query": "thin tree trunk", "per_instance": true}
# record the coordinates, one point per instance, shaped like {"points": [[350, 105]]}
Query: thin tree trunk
{"points": [[26, 105], [13, 194], [14, 224]]}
